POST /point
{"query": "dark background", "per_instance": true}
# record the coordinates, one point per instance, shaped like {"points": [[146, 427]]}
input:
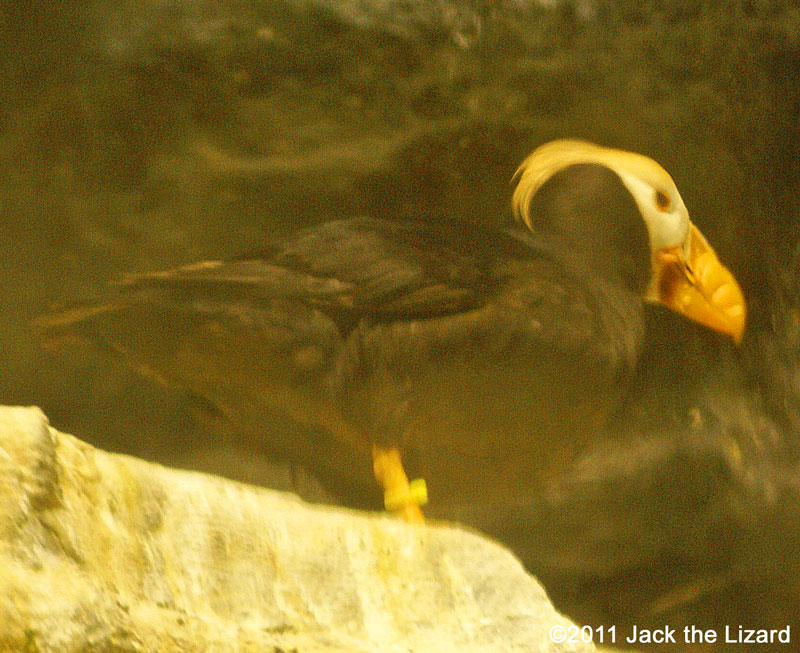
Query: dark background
{"points": [[142, 135]]}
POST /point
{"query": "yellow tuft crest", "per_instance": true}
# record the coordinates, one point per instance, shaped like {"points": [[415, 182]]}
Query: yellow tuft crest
{"points": [[550, 158]]}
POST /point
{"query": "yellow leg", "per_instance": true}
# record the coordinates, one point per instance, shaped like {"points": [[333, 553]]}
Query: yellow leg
{"points": [[399, 496]]}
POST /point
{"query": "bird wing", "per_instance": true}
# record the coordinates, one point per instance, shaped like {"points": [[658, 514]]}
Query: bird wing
{"points": [[345, 272], [350, 270]]}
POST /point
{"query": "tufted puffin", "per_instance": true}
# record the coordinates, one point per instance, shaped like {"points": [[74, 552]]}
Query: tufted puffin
{"points": [[481, 359]]}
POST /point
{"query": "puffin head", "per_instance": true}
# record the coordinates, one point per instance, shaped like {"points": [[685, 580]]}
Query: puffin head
{"points": [[684, 272]]}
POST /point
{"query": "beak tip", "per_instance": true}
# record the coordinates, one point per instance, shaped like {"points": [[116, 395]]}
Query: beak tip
{"points": [[710, 295], [736, 313], [737, 332]]}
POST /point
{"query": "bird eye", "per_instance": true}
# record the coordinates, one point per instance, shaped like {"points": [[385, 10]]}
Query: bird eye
{"points": [[662, 201]]}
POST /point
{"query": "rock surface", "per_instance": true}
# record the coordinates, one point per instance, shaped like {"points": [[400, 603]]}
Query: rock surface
{"points": [[101, 551]]}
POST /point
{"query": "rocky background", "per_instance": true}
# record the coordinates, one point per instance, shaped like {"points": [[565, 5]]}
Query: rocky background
{"points": [[141, 135]]}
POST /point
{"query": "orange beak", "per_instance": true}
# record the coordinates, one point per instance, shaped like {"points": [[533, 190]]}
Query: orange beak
{"points": [[698, 286]]}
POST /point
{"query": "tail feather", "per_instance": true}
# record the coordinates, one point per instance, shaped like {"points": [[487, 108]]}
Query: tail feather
{"points": [[65, 326], [67, 318]]}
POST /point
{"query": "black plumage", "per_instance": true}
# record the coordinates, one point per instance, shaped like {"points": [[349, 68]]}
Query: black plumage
{"points": [[487, 357]]}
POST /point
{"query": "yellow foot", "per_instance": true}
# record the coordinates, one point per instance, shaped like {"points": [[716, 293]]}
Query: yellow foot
{"points": [[400, 496]]}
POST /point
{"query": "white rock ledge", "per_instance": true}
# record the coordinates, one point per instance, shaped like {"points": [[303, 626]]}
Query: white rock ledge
{"points": [[103, 552]]}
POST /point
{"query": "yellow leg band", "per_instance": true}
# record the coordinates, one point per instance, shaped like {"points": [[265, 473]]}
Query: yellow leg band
{"points": [[415, 493]]}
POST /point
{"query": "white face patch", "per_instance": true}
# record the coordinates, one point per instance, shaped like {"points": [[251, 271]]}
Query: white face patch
{"points": [[667, 228]]}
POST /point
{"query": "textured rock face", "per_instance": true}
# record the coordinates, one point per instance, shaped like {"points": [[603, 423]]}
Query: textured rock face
{"points": [[105, 552]]}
